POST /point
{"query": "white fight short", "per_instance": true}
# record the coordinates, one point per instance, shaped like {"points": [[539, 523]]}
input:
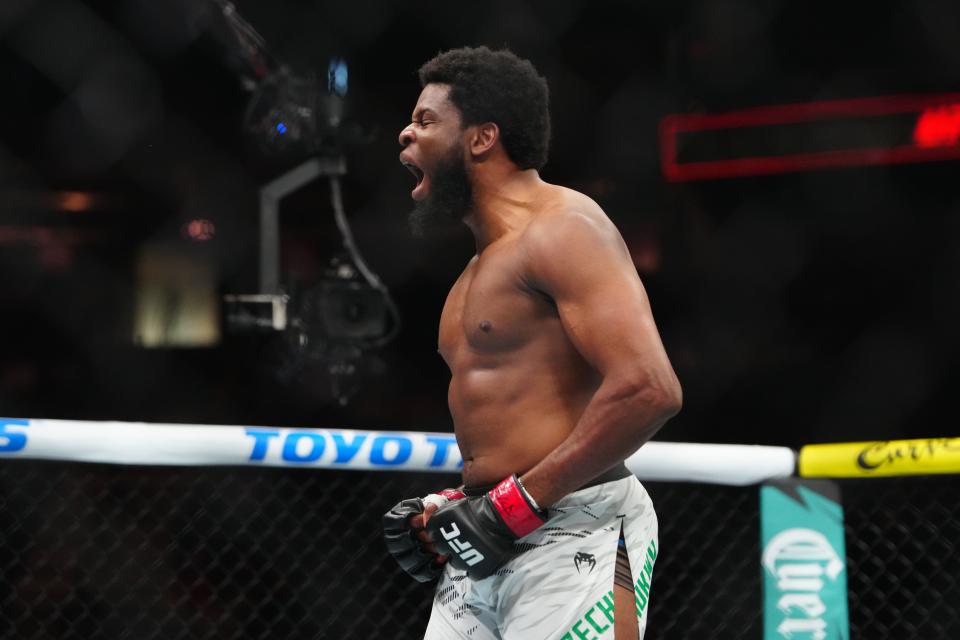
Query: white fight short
{"points": [[559, 586]]}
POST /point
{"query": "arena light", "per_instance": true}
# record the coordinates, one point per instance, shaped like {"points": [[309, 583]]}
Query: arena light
{"points": [[198, 230], [75, 201], [810, 136], [938, 127]]}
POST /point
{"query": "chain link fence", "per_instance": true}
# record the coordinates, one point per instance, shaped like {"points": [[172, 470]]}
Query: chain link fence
{"points": [[113, 552]]}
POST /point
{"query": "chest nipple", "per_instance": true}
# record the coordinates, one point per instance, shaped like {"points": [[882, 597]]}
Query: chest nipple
{"points": [[486, 326]]}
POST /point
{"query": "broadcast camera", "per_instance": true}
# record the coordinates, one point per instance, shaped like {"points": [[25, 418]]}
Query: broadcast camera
{"points": [[330, 325]]}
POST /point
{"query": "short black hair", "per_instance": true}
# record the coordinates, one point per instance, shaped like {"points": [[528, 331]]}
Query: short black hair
{"points": [[500, 87]]}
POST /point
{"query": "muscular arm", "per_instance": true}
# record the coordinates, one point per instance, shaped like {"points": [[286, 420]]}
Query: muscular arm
{"points": [[580, 260]]}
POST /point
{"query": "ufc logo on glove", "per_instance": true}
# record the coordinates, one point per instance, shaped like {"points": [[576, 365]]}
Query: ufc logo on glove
{"points": [[461, 547]]}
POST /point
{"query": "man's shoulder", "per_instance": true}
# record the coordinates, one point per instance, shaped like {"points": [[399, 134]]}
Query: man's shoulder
{"points": [[563, 201], [567, 218]]}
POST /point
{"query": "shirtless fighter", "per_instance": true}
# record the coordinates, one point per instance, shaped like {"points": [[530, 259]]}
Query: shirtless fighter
{"points": [[558, 375]]}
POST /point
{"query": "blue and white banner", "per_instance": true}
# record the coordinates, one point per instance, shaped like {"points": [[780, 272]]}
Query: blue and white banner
{"points": [[138, 443], [183, 444], [804, 561]]}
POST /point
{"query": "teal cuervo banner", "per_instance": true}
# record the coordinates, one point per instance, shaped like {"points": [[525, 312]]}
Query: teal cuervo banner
{"points": [[804, 561]]}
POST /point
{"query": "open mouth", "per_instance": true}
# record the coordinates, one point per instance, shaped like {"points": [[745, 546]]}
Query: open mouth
{"points": [[415, 170], [418, 173]]}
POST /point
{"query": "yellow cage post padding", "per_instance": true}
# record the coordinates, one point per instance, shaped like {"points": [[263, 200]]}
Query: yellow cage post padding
{"points": [[880, 458]]}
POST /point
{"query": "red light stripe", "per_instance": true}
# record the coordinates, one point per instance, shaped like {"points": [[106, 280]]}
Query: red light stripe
{"points": [[672, 125], [770, 165], [806, 112]]}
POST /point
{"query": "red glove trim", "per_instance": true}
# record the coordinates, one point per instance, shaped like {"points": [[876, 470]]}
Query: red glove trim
{"points": [[514, 509], [452, 494]]}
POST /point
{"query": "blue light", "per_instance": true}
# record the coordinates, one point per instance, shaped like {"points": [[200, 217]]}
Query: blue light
{"points": [[281, 128], [337, 77]]}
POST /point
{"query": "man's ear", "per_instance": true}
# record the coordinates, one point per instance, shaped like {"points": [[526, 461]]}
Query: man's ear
{"points": [[483, 138]]}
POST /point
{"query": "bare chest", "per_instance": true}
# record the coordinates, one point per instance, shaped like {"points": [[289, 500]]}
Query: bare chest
{"points": [[490, 311]]}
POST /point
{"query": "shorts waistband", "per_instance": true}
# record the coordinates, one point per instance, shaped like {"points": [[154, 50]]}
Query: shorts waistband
{"points": [[618, 472]]}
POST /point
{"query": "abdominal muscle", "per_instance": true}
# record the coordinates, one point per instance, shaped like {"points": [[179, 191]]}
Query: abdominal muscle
{"points": [[509, 415]]}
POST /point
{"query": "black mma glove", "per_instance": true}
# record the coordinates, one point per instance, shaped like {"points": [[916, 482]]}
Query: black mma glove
{"points": [[478, 532], [401, 536]]}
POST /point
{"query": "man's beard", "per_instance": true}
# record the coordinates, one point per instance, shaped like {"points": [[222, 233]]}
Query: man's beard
{"points": [[449, 198]]}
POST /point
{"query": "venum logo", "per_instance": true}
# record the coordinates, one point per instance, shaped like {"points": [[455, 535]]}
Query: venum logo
{"points": [[462, 548], [583, 559], [800, 559]]}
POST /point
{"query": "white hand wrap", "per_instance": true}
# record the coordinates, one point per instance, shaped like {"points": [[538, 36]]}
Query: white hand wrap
{"points": [[441, 499], [436, 499]]}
